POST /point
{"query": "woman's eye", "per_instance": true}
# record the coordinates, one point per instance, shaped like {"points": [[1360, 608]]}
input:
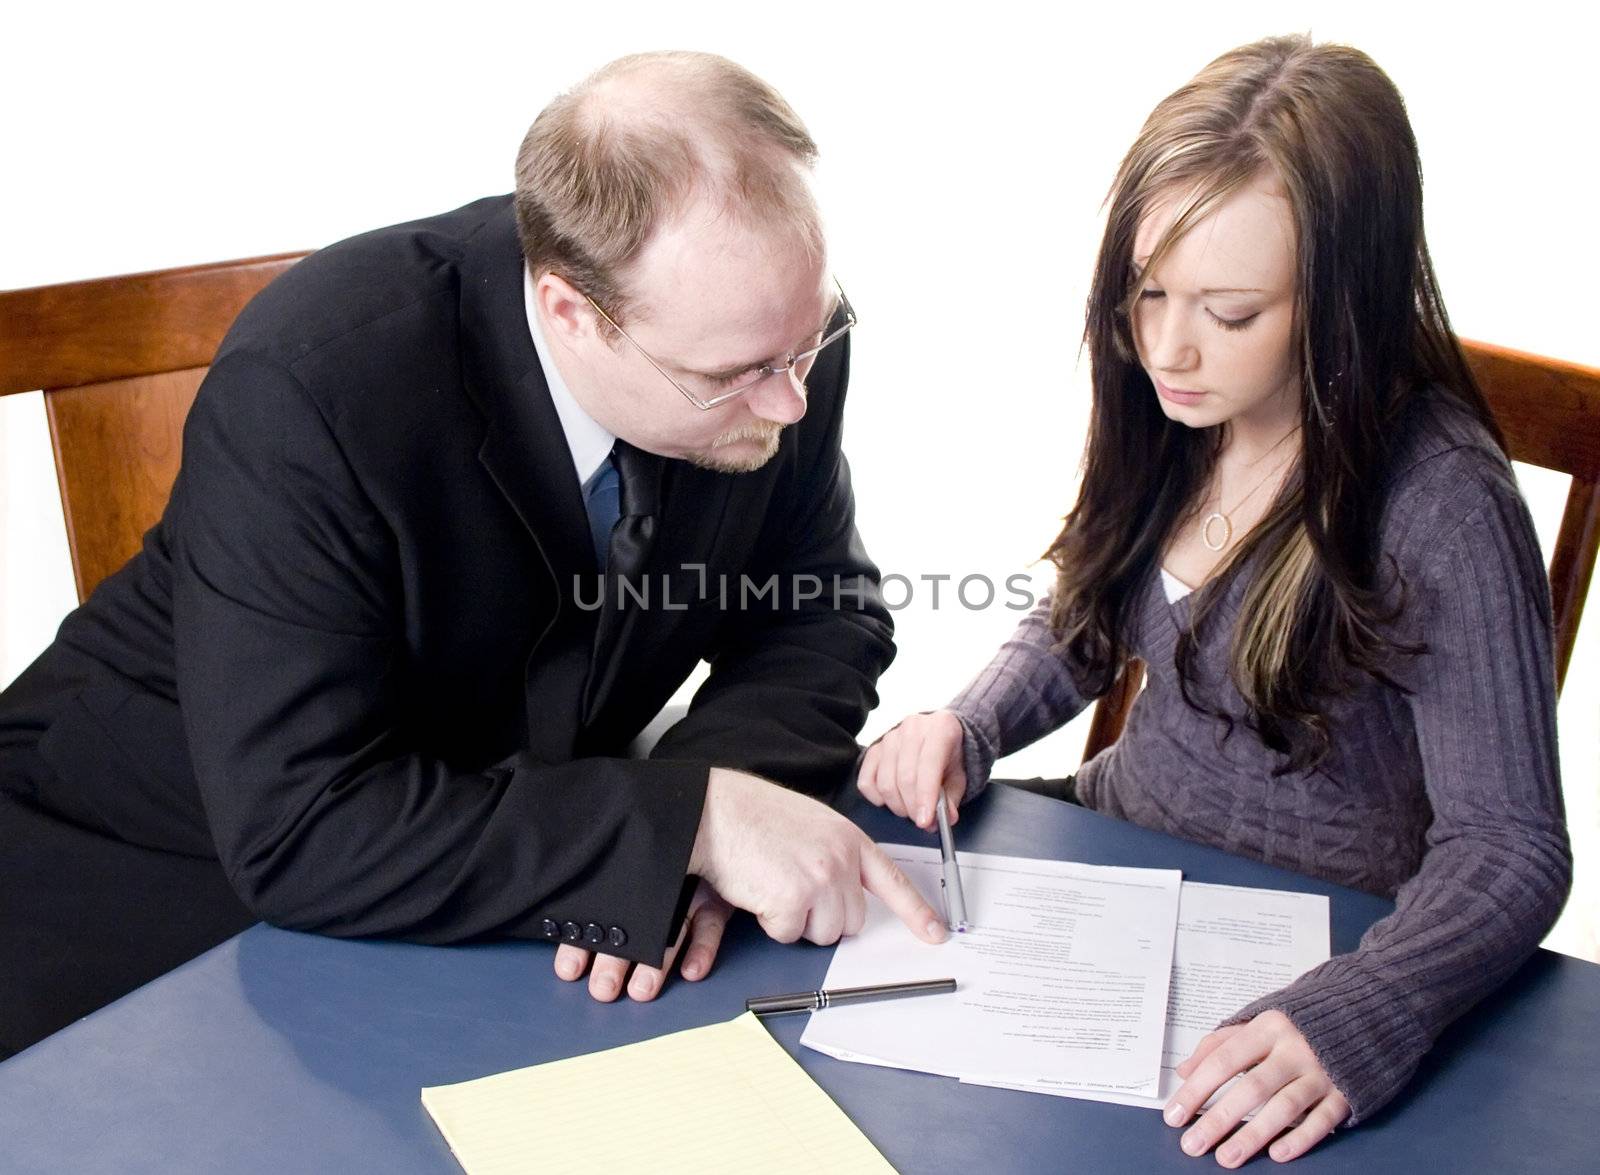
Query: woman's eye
{"points": [[1232, 323], [1149, 295]]}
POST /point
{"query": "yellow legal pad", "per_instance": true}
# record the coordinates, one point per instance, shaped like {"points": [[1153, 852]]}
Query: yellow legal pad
{"points": [[725, 1097]]}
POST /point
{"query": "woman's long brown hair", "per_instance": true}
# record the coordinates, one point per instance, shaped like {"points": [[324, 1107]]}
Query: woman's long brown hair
{"points": [[1372, 334]]}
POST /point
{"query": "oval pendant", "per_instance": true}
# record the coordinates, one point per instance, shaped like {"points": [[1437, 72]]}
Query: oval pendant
{"points": [[1227, 531]]}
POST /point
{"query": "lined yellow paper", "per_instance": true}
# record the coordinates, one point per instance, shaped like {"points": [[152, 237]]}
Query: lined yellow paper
{"points": [[723, 1098]]}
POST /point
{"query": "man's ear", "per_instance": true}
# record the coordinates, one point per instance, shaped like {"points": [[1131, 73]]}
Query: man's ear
{"points": [[566, 312]]}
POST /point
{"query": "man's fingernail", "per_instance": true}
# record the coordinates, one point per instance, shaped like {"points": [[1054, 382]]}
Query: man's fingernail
{"points": [[937, 931], [693, 966], [641, 986], [569, 970], [1228, 1154], [926, 817], [1279, 1151], [1191, 1144], [1174, 1114], [606, 985]]}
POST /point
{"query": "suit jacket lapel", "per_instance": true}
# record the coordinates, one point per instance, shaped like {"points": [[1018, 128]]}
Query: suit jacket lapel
{"points": [[524, 448], [525, 451]]}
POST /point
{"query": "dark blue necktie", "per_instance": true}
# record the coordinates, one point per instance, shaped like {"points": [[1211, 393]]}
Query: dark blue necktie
{"points": [[602, 498], [623, 498]]}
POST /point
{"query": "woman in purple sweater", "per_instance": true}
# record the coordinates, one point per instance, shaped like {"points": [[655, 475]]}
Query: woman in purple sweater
{"points": [[1296, 510]]}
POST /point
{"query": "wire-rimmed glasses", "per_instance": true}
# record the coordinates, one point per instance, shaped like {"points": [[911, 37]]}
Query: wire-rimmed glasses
{"points": [[796, 365]]}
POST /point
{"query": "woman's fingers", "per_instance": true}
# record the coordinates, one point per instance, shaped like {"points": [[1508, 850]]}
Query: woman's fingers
{"points": [[933, 763], [1282, 1110], [911, 767], [1321, 1121]]}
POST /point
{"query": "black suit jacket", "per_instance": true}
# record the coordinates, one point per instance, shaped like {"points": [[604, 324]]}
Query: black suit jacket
{"points": [[352, 656]]}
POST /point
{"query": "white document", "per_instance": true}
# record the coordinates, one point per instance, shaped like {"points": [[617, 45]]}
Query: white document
{"points": [[1063, 976], [1234, 946]]}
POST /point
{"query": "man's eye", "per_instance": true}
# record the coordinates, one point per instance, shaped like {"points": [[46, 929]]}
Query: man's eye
{"points": [[738, 377]]}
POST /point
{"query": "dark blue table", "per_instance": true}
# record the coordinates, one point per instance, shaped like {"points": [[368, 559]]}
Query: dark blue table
{"points": [[286, 1052]]}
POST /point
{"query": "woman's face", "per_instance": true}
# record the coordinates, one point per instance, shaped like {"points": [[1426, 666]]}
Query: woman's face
{"points": [[1214, 325]]}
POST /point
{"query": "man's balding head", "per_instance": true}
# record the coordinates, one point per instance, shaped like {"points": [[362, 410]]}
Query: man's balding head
{"points": [[642, 140]]}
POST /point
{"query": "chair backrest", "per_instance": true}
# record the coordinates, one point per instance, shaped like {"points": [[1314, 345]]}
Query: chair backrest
{"points": [[119, 360], [1549, 411]]}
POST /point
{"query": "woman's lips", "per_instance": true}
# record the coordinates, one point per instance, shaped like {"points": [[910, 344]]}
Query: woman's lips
{"points": [[1178, 395]]}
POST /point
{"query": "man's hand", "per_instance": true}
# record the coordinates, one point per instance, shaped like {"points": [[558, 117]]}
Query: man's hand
{"points": [[708, 917], [908, 769], [801, 868], [1280, 1075]]}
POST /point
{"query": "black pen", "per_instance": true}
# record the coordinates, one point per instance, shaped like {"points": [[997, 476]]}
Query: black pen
{"points": [[814, 1001]]}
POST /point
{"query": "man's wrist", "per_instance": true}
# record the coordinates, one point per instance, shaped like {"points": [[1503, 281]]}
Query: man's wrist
{"points": [[700, 852]]}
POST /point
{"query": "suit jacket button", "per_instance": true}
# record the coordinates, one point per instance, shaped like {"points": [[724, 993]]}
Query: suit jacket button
{"points": [[570, 932], [550, 928], [593, 934], [617, 936]]}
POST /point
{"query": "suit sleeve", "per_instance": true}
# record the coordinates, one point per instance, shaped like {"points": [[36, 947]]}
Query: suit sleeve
{"points": [[288, 633], [794, 677]]}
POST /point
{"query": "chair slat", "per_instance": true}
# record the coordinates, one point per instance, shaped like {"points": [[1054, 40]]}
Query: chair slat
{"points": [[118, 445], [1572, 568], [119, 360], [1548, 409], [111, 328]]}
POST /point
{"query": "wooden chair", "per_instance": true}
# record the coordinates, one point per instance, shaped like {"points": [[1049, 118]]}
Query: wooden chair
{"points": [[1550, 413], [119, 360], [90, 917]]}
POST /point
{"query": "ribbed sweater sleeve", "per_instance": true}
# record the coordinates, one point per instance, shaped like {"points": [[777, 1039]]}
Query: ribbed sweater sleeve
{"points": [[1497, 867], [1023, 694]]}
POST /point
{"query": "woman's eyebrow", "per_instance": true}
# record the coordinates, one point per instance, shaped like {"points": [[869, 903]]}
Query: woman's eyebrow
{"points": [[1138, 272]]}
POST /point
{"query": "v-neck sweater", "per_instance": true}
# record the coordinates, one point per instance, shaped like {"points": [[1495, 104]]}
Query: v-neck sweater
{"points": [[1446, 799]]}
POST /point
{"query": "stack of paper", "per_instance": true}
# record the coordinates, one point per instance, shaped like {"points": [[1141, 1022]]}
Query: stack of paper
{"points": [[724, 1098], [1234, 946], [1079, 980], [1063, 978]]}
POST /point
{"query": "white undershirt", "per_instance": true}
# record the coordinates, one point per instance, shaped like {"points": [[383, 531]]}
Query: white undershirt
{"points": [[1174, 587], [588, 440]]}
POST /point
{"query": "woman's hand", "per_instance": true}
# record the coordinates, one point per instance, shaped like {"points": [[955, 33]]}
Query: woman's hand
{"points": [[1277, 1072], [908, 769]]}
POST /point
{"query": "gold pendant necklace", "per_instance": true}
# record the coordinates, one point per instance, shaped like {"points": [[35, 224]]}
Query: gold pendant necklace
{"points": [[1223, 516], [1227, 533]]}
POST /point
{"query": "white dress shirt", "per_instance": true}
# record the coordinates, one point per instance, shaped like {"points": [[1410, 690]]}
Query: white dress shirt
{"points": [[588, 440]]}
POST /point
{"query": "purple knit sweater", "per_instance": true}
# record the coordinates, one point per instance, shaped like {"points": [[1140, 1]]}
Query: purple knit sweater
{"points": [[1447, 800]]}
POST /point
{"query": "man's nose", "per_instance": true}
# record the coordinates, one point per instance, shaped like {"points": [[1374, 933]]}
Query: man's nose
{"points": [[781, 397]]}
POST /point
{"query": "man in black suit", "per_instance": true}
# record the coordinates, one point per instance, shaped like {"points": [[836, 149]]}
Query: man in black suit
{"points": [[462, 503]]}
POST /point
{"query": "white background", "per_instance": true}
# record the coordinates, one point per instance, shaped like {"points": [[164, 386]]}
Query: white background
{"points": [[966, 151]]}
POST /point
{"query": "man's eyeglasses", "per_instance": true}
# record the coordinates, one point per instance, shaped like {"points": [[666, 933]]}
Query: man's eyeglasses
{"points": [[710, 390]]}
